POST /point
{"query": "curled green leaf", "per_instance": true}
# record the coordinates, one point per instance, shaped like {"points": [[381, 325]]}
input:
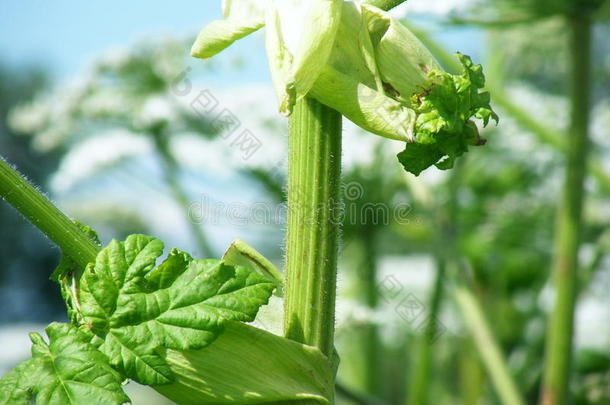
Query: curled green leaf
{"points": [[445, 107]]}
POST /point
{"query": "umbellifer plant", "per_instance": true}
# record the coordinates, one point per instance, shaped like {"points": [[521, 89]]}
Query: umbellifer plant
{"points": [[178, 325]]}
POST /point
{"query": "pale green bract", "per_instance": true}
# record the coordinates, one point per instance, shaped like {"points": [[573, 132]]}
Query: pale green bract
{"points": [[297, 52], [240, 253], [270, 370], [358, 60]]}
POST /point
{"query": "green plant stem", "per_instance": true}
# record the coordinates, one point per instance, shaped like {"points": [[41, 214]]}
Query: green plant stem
{"points": [[555, 390], [486, 344], [471, 377], [314, 170], [420, 370], [372, 346], [41, 212], [171, 174]]}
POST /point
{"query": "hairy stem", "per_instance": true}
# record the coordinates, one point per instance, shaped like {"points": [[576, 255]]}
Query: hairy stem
{"points": [[569, 222], [43, 214], [314, 170], [314, 176]]}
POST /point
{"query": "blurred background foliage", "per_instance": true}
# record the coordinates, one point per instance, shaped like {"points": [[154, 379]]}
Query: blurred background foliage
{"points": [[121, 148]]}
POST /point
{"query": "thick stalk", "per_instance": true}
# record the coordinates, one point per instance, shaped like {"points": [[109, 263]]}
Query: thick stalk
{"points": [[314, 176], [41, 212], [171, 174], [314, 170], [556, 381]]}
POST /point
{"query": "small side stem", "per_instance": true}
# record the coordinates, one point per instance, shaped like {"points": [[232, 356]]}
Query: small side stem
{"points": [[418, 382], [555, 390], [41, 212], [491, 355]]}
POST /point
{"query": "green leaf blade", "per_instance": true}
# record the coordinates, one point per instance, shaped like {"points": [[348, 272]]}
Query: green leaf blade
{"points": [[182, 304], [168, 271], [16, 385], [72, 371], [135, 356], [418, 157]]}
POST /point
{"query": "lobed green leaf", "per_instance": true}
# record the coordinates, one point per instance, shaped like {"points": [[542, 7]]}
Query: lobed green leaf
{"points": [[66, 371], [182, 304]]}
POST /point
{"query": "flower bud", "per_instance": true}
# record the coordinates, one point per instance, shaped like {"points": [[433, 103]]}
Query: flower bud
{"points": [[360, 61]]}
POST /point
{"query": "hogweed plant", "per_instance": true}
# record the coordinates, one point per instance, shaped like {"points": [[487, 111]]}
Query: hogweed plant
{"points": [[179, 325]]}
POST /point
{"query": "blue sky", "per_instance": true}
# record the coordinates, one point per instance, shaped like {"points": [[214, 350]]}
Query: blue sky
{"points": [[65, 33], [64, 36]]}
